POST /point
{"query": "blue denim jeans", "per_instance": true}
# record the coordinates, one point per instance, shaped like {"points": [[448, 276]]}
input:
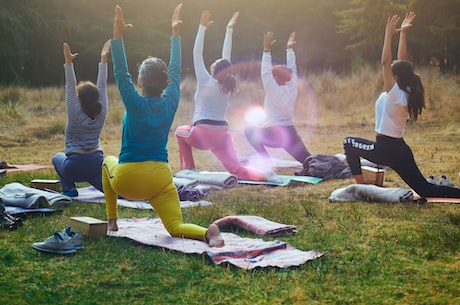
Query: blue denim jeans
{"points": [[77, 167]]}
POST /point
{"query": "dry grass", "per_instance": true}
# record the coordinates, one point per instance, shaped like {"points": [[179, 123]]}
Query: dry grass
{"points": [[330, 107], [376, 254]]}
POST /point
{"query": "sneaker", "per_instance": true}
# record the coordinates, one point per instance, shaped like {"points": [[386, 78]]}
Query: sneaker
{"points": [[444, 180], [431, 179], [71, 193], [75, 238], [57, 243]]}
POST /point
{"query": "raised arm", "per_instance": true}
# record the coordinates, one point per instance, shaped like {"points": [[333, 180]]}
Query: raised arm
{"points": [[102, 77], [176, 21], [72, 105], [290, 55], [390, 31], [198, 61], [227, 47], [405, 26]]}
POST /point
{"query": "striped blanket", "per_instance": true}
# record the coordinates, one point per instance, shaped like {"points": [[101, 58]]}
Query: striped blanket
{"points": [[245, 253]]}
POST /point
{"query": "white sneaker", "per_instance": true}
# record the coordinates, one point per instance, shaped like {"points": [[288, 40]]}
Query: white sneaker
{"points": [[56, 244], [444, 180], [431, 179]]}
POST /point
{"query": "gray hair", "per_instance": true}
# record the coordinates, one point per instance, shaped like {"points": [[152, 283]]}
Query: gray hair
{"points": [[153, 76]]}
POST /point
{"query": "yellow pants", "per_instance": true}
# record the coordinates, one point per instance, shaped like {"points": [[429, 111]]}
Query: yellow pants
{"points": [[152, 181]]}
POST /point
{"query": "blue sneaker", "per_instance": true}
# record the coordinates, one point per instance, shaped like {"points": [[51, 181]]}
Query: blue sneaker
{"points": [[71, 193], [56, 244], [76, 239]]}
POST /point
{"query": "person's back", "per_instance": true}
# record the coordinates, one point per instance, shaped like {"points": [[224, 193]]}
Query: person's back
{"points": [[86, 107], [142, 171]]}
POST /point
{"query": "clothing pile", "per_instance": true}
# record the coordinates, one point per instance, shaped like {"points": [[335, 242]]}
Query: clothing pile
{"points": [[7, 221], [325, 166]]}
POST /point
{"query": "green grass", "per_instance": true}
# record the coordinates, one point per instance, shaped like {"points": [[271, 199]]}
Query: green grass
{"points": [[374, 253]]}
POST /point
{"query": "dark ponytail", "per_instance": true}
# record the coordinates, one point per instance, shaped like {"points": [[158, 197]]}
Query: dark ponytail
{"points": [[412, 84], [88, 96], [416, 101]]}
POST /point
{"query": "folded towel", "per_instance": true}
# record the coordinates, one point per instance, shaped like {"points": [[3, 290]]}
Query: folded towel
{"points": [[16, 194], [185, 182], [256, 224], [213, 179], [371, 193]]}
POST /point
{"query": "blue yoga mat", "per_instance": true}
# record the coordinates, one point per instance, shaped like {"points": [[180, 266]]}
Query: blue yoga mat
{"points": [[286, 180]]}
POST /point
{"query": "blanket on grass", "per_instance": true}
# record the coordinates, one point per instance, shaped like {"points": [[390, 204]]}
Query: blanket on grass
{"points": [[91, 194], [255, 224], [371, 193], [18, 195], [245, 253], [23, 167], [217, 180]]}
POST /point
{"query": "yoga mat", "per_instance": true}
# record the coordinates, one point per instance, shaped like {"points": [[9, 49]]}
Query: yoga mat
{"points": [[275, 162], [437, 199], [245, 253], [18, 211], [26, 167], [91, 194], [286, 180]]}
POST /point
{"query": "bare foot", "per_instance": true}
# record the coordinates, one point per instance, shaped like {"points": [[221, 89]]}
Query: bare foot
{"points": [[112, 225], [213, 236]]}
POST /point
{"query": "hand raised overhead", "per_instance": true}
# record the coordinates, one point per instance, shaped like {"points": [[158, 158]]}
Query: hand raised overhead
{"points": [[176, 21], [119, 25], [231, 23], [291, 41], [105, 51], [68, 55], [205, 19], [407, 22]]}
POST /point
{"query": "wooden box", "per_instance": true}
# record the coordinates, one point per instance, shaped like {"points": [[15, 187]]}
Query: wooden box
{"points": [[372, 175], [89, 226], [44, 184]]}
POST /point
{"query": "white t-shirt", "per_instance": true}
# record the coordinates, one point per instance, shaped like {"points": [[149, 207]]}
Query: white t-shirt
{"points": [[391, 112]]}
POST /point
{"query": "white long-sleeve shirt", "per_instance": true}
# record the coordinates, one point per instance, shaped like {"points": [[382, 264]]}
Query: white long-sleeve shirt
{"points": [[210, 102], [81, 132], [279, 101]]}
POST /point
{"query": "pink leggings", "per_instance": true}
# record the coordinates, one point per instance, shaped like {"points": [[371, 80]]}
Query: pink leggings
{"points": [[220, 143]]}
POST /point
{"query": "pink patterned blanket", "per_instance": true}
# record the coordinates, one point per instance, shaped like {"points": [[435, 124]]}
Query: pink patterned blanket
{"points": [[246, 253]]}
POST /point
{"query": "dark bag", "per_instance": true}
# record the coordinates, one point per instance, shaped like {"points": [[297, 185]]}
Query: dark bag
{"points": [[325, 166]]}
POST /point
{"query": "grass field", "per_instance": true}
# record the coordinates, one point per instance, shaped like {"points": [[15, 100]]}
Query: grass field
{"points": [[375, 253]]}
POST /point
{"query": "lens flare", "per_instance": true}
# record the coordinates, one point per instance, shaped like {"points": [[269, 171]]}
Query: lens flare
{"points": [[255, 116]]}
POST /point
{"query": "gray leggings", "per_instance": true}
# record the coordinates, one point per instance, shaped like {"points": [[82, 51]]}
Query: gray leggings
{"points": [[396, 154]]}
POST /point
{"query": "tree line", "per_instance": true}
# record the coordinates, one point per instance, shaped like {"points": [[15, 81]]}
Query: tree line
{"points": [[340, 35]]}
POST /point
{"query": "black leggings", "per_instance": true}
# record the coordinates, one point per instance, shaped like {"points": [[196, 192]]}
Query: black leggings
{"points": [[396, 154]]}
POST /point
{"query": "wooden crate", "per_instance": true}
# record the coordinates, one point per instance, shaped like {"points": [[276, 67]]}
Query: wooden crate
{"points": [[44, 184], [372, 175], [89, 226]]}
